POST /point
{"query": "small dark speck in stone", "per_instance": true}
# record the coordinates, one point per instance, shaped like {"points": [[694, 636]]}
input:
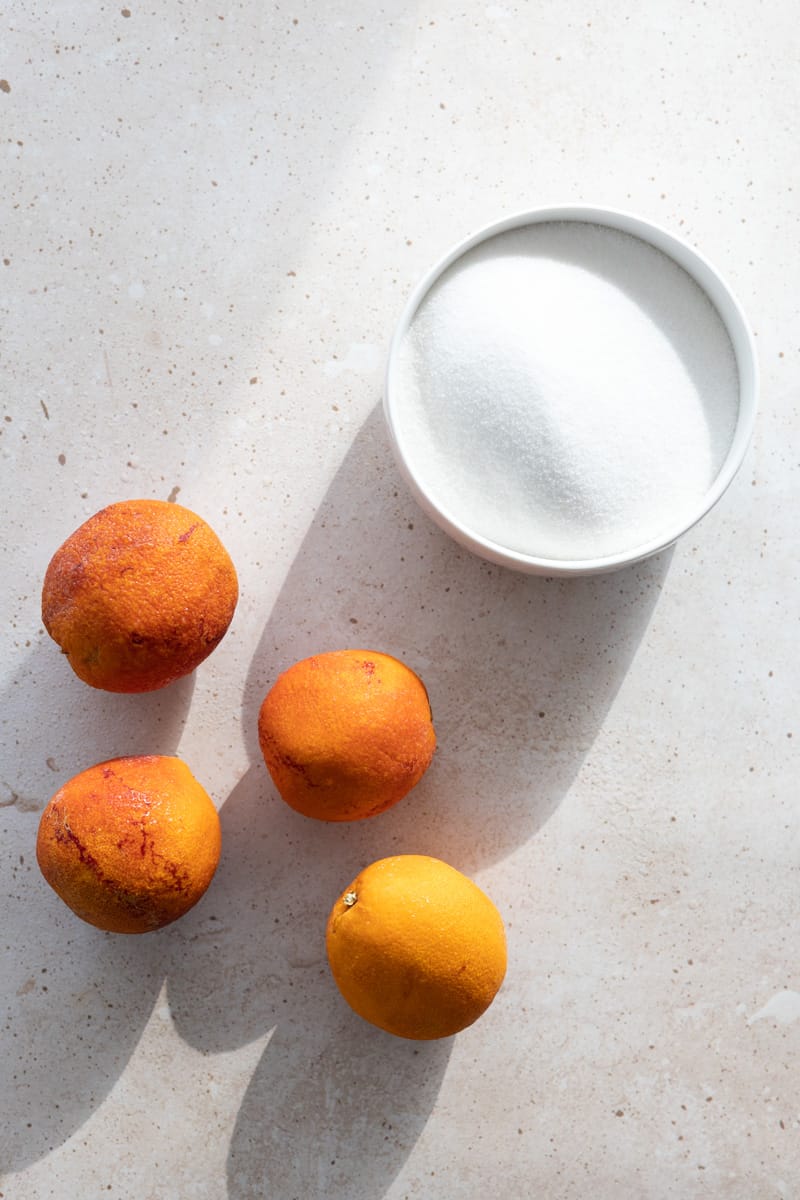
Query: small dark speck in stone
{"points": [[62, 459], [5, 86], [126, 12]]}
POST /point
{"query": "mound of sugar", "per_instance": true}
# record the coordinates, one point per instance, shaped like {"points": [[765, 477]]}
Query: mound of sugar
{"points": [[568, 392]]}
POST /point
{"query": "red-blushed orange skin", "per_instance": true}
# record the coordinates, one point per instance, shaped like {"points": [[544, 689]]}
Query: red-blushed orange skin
{"points": [[130, 844], [416, 948], [139, 595], [346, 734]]}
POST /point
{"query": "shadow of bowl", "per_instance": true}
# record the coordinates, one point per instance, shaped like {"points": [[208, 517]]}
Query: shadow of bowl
{"points": [[521, 670]]}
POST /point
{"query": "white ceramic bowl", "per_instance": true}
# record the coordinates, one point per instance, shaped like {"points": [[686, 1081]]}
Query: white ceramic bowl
{"points": [[733, 320]]}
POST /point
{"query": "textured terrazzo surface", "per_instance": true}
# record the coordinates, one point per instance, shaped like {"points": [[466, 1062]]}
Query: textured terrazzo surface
{"points": [[211, 218]]}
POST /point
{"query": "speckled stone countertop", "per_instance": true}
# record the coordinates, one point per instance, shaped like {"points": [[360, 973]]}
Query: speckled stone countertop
{"points": [[211, 218]]}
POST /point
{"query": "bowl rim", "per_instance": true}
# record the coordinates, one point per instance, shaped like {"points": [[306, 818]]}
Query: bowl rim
{"points": [[710, 281]]}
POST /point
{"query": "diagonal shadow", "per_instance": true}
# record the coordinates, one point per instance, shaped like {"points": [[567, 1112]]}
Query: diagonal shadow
{"points": [[332, 1099], [337, 1122], [76, 999], [521, 672]]}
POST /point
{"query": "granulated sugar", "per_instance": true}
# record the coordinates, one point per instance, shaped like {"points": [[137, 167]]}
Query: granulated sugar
{"points": [[568, 392]]}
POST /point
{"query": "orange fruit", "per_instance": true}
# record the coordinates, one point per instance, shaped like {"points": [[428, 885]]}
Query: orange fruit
{"points": [[416, 948], [130, 844], [139, 595], [346, 734]]}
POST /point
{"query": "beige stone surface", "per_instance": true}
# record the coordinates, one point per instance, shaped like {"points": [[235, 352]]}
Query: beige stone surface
{"points": [[211, 218]]}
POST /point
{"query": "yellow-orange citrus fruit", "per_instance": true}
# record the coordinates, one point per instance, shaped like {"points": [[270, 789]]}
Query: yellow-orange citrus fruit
{"points": [[416, 948], [139, 595], [130, 844], [346, 734]]}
